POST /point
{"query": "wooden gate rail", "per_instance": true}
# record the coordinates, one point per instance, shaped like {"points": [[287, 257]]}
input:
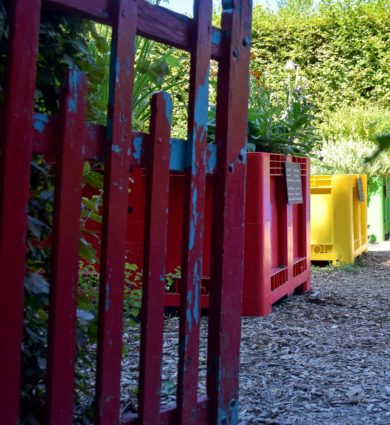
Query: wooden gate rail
{"points": [[154, 22], [25, 133]]}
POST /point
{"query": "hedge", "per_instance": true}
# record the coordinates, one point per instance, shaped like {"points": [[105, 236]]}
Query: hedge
{"points": [[341, 47]]}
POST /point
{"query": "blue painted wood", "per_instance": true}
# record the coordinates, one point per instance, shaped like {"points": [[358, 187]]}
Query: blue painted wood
{"points": [[194, 215], [45, 125], [179, 156]]}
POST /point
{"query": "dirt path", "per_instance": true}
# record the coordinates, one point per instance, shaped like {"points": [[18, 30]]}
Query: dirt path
{"points": [[323, 358]]}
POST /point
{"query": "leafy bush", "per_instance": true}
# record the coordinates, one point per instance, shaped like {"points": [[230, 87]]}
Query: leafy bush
{"points": [[348, 156], [341, 46], [155, 64], [360, 122], [280, 121], [350, 135], [36, 291]]}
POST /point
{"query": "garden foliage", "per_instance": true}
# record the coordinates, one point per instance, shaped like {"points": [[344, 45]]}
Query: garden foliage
{"points": [[280, 120], [350, 138], [341, 47]]}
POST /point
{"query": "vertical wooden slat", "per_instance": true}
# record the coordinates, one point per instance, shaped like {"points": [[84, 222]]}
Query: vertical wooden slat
{"points": [[66, 236], [115, 212], [14, 191], [194, 215], [228, 215], [156, 229], [287, 241]]}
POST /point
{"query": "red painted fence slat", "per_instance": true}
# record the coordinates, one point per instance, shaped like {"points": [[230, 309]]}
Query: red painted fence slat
{"points": [[156, 229], [228, 216], [116, 178], [66, 237], [187, 388], [16, 147]]}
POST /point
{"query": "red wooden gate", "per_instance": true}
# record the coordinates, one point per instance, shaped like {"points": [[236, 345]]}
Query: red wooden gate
{"points": [[79, 141]]}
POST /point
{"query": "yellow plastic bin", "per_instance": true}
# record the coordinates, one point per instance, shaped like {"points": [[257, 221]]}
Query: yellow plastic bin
{"points": [[338, 218]]}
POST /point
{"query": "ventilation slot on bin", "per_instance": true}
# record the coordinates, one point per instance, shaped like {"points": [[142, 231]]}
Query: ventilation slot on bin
{"points": [[279, 278], [303, 163], [300, 266], [277, 164]]}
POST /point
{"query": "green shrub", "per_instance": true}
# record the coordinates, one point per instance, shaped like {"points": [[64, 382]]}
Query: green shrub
{"points": [[360, 122], [349, 135], [341, 46], [348, 156], [281, 120], [280, 117]]}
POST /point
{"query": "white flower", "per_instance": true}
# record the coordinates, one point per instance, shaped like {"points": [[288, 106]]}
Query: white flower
{"points": [[290, 66]]}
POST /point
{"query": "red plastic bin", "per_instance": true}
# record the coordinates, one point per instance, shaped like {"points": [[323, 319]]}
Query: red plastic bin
{"points": [[277, 242], [135, 230]]}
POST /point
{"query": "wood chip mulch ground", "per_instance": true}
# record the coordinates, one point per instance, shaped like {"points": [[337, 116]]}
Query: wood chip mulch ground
{"points": [[322, 358]]}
